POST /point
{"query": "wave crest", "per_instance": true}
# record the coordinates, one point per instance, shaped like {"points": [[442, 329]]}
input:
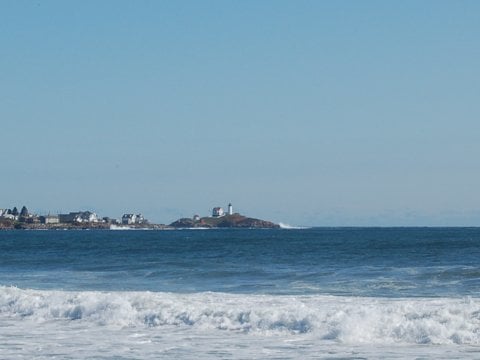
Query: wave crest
{"points": [[328, 318], [290, 227]]}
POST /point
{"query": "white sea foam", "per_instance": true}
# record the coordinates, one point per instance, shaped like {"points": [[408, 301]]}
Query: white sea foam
{"points": [[111, 325], [290, 227], [120, 227], [342, 319]]}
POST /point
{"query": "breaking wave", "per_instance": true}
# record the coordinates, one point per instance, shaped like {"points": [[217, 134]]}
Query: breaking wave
{"points": [[290, 227], [329, 318]]}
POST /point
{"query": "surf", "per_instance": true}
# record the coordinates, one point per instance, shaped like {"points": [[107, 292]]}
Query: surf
{"points": [[348, 320]]}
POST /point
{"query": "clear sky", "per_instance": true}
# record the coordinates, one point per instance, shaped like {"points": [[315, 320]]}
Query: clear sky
{"points": [[306, 112]]}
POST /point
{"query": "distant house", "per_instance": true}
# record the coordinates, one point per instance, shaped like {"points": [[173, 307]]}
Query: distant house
{"points": [[196, 217], [32, 219], [88, 217], [218, 212], [49, 219], [78, 217], [8, 214], [129, 219]]}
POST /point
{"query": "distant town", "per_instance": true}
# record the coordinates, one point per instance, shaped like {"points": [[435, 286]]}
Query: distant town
{"points": [[80, 217], [24, 219]]}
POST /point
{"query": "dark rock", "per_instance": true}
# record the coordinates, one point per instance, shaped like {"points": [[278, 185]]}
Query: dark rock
{"points": [[183, 223], [227, 221]]}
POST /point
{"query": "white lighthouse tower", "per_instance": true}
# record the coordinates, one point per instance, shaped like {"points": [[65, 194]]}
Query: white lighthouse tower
{"points": [[230, 209]]}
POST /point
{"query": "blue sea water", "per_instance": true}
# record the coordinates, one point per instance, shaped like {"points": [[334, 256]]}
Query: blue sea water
{"points": [[311, 293]]}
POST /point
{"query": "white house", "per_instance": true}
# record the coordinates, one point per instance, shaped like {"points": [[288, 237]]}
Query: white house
{"points": [[218, 212], [86, 217], [128, 219], [9, 216], [6, 214], [78, 217]]}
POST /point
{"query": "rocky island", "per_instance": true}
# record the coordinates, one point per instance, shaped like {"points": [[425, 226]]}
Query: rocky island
{"points": [[222, 219], [226, 221]]}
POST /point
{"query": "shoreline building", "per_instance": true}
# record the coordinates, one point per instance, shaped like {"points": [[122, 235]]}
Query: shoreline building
{"points": [[49, 219], [129, 219], [219, 212], [78, 217]]}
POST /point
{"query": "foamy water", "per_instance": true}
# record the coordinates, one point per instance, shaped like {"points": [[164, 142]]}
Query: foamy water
{"points": [[148, 324], [291, 227]]}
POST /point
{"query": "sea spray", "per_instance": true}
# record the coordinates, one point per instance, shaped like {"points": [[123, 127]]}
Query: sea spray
{"points": [[349, 320], [290, 227]]}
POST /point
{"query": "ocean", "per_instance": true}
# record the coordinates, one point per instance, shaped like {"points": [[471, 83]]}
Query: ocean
{"points": [[319, 293]]}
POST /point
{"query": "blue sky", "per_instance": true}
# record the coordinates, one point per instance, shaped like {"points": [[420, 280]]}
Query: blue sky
{"points": [[305, 112]]}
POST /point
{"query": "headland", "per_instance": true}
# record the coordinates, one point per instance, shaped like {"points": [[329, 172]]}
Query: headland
{"points": [[226, 221]]}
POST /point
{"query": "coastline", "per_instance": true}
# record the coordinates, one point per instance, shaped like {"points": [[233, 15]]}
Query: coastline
{"points": [[83, 226], [12, 219], [181, 224]]}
